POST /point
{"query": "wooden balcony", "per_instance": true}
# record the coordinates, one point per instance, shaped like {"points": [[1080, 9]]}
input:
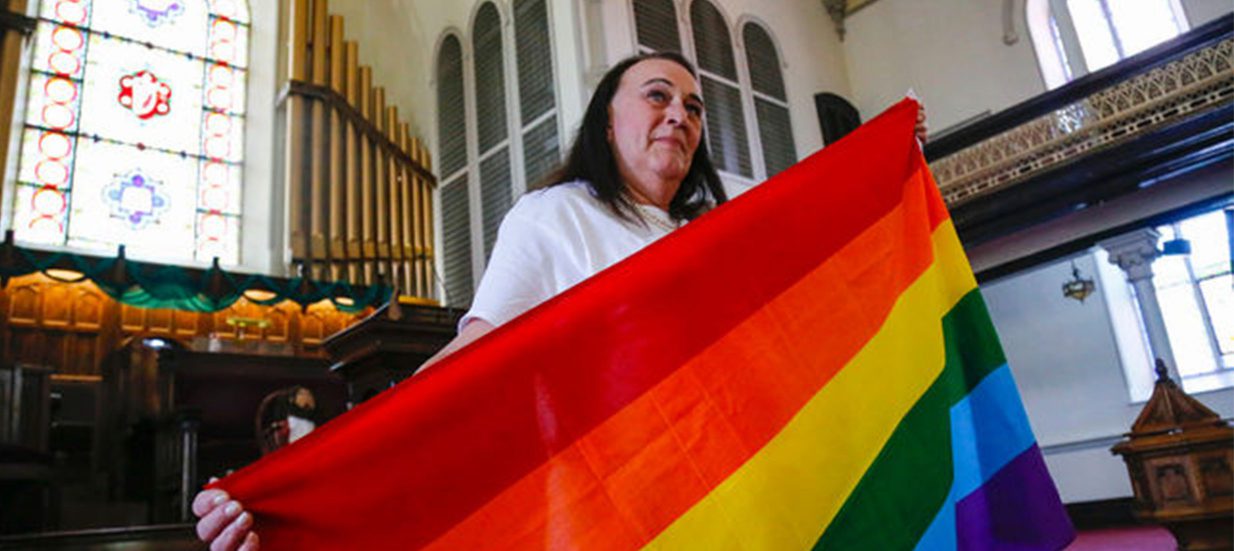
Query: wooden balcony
{"points": [[1147, 120]]}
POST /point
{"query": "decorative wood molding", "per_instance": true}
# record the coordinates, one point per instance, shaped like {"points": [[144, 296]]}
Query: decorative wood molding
{"points": [[1198, 82]]}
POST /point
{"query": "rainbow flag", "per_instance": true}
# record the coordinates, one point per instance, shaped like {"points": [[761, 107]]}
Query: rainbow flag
{"points": [[808, 366]]}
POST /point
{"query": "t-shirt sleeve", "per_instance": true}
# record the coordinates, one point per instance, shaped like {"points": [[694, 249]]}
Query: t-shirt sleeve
{"points": [[519, 274]]}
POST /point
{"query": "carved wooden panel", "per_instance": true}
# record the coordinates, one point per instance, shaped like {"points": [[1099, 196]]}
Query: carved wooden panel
{"points": [[27, 345], [24, 304], [1215, 474], [57, 300], [159, 320], [71, 327], [186, 323], [312, 328], [280, 324], [132, 318], [88, 310]]}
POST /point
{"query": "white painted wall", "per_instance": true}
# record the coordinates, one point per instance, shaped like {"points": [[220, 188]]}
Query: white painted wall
{"points": [[1070, 372], [951, 52], [1200, 12]]}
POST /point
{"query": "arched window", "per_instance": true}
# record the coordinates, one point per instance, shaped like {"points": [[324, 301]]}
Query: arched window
{"points": [[726, 126], [514, 147], [1076, 37], [536, 90], [775, 131], [452, 150], [492, 131], [134, 128], [655, 21]]}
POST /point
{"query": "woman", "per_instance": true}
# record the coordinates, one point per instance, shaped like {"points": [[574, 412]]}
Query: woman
{"points": [[635, 173]]}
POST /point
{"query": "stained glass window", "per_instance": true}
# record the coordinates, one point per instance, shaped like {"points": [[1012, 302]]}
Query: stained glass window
{"points": [[134, 128]]}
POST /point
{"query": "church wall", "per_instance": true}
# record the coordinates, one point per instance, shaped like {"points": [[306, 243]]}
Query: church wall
{"points": [[950, 52], [261, 243], [1200, 12], [1069, 369]]}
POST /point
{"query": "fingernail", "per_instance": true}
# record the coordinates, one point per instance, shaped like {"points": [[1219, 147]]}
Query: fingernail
{"points": [[218, 499], [232, 508], [245, 519]]}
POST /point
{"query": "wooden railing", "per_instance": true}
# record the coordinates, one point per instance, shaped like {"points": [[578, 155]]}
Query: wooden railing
{"points": [[359, 186]]}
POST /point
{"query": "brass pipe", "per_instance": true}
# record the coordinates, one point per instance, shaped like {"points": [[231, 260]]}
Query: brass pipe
{"points": [[426, 218], [380, 190], [10, 65], [297, 53], [352, 200], [394, 219], [337, 192], [317, 142], [410, 218], [367, 181]]}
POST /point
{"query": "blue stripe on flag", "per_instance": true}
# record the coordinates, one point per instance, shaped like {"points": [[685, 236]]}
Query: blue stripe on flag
{"points": [[988, 430]]}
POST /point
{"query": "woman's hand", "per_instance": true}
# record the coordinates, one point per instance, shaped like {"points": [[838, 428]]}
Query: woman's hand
{"points": [[922, 129], [224, 524]]}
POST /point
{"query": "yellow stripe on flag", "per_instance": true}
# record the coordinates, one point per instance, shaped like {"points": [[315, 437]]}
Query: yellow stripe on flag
{"points": [[787, 493]]}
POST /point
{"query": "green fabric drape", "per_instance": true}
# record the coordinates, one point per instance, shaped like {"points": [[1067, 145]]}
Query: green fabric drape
{"points": [[149, 285]]}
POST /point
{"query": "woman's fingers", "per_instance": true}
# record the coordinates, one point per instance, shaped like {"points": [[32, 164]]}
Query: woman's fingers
{"points": [[251, 543], [214, 523], [922, 129], [208, 500], [234, 534]]}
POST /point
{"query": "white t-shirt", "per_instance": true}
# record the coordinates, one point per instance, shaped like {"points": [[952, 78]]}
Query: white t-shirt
{"points": [[552, 239]]}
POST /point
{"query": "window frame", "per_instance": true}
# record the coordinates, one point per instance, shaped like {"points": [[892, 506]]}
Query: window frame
{"points": [[744, 85], [246, 222], [516, 129], [1060, 65]]}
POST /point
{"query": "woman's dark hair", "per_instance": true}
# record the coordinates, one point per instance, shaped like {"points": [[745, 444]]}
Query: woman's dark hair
{"points": [[591, 157]]}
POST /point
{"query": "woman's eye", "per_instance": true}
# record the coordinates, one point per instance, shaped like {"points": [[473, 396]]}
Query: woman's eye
{"points": [[657, 95], [696, 110]]}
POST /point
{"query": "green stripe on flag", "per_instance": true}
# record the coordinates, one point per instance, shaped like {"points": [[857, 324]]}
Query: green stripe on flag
{"points": [[900, 493]]}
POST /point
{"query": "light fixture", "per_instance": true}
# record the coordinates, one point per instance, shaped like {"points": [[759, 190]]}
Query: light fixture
{"points": [[1078, 288], [64, 276], [259, 295]]}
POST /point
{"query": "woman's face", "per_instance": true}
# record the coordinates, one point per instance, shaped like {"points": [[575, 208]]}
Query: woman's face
{"points": [[655, 122]]}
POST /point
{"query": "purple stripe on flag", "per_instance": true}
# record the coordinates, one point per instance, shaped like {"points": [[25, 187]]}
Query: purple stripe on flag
{"points": [[1017, 508]]}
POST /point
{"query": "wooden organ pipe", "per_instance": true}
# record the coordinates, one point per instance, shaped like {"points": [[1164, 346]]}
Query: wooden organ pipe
{"points": [[297, 53], [338, 125], [367, 181], [318, 200], [352, 197]]}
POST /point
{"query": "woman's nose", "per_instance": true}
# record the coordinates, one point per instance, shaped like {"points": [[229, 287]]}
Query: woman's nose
{"points": [[675, 113]]}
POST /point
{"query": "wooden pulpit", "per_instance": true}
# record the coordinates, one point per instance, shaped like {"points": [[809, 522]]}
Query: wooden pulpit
{"points": [[389, 346], [1179, 454]]}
